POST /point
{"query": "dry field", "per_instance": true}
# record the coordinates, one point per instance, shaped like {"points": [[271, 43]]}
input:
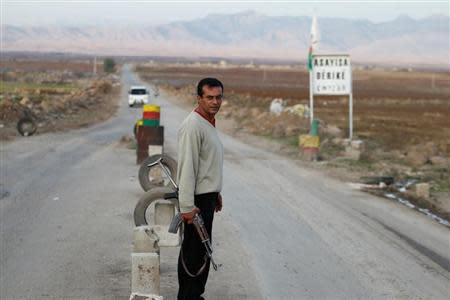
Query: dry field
{"points": [[395, 108], [45, 65], [403, 116], [59, 94]]}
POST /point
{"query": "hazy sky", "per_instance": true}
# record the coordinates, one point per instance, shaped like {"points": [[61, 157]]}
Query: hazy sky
{"points": [[102, 12]]}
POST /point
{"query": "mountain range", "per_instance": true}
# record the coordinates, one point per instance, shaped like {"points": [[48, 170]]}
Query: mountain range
{"points": [[248, 35]]}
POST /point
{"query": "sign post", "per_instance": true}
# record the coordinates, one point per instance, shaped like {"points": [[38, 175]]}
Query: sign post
{"points": [[332, 75], [311, 98]]}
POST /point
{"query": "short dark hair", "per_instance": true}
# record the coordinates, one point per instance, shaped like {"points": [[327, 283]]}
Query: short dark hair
{"points": [[212, 82]]}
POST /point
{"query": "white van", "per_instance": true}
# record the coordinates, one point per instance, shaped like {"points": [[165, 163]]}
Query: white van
{"points": [[137, 95]]}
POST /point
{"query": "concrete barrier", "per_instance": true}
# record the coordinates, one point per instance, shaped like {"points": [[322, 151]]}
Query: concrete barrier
{"points": [[147, 136], [145, 276], [145, 262], [164, 212], [354, 149], [136, 296], [145, 240], [155, 149]]}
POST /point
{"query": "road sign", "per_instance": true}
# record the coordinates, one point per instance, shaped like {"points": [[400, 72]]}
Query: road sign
{"points": [[332, 75]]}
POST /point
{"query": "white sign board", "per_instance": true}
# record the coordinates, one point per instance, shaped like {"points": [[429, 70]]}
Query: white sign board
{"points": [[332, 75]]}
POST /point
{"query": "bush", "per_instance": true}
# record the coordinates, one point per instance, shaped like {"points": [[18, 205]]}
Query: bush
{"points": [[109, 65]]}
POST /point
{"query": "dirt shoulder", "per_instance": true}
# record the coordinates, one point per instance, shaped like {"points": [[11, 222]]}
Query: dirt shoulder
{"points": [[280, 146], [56, 100], [279, 134]]}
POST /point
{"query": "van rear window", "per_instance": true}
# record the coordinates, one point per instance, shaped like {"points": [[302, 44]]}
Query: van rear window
{"points": [[138, 91]]}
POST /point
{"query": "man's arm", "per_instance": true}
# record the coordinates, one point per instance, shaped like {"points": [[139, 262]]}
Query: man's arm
{"points": [[188, 217], [219, 203], [188, 160]]}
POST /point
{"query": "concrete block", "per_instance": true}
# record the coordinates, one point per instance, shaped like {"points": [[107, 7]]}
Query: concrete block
{"points": [[148, 136], [308, 141], [155, 149], [166, 239], [346, 142], [352, 153], [136, 296], [145, 240], [145, 276], [357, 145], [164, 212], [422, 190], [310, 153]]}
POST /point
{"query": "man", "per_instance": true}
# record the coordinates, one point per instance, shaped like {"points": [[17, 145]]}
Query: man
{"points": [[200, 165]]}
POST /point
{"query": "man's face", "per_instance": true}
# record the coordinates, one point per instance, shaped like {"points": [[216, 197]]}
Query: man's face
{"points": [[211, 99]]}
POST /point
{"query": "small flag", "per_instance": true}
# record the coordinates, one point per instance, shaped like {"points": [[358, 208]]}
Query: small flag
{"points": [[314, 42]]}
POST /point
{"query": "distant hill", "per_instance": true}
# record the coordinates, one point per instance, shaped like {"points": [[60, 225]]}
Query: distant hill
{"points": [[248, 34]]}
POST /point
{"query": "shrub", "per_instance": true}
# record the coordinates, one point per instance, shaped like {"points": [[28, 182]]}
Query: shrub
{"points": [[109, 65]]}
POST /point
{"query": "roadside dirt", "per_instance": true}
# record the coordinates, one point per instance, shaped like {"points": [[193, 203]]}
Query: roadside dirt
{"points": [[57, 95], [395, 109], [403, 151], [233, 128]]}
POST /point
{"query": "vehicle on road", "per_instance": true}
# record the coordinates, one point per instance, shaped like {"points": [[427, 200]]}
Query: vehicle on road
{"points": [[137, 95]]}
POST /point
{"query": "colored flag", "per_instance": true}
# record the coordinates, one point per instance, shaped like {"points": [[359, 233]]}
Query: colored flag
{"points": [[314, 42]]}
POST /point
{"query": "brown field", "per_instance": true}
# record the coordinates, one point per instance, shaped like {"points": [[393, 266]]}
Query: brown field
{"points": [[40, 65], [395, 108], [59, 94], [403, 117]]}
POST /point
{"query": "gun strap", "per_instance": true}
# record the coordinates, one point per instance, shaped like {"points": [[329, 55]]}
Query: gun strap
{"points": [[200, 271]]}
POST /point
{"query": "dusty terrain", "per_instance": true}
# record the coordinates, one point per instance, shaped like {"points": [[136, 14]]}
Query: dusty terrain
{"points": [[59, 95], [285, 232], [401, 115], [388, 105]]}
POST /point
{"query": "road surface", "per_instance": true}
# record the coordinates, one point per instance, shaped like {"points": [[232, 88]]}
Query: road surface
{"points": [[286, 232]]}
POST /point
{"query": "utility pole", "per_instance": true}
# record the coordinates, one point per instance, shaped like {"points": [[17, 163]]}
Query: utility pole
{"points": [[95, 65]]}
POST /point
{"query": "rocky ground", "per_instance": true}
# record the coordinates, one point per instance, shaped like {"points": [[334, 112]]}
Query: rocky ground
{"points": [[424, 163], [56, 100]]}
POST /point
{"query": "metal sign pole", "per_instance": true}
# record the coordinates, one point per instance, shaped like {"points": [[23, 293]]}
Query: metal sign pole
{"points": [[95, 65], [350, 111], [311, 101]]}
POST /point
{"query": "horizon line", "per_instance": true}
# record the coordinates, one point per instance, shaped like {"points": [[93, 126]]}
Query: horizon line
{"points": [[107, 23]]}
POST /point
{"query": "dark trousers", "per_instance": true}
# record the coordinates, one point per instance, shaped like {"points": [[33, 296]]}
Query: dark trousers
{"points": [[194, 251]]}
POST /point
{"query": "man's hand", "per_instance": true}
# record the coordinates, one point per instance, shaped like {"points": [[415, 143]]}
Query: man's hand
{"points": [[189, 216], [219, 203]]}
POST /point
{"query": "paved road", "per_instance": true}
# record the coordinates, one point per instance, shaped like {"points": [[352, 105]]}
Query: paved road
{"points": [[285, 232]]}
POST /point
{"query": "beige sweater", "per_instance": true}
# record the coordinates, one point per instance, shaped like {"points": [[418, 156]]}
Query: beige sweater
{"points": [[200, 160]]}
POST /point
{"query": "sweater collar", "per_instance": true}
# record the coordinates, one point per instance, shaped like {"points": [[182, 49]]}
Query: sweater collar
{"points": [[211, 121]]}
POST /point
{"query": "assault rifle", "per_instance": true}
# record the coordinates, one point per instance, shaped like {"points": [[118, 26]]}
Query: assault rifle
{"points": [[201, 230]]}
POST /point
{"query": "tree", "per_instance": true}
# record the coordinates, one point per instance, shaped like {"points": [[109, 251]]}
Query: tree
{"points": [[109, 65]]}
